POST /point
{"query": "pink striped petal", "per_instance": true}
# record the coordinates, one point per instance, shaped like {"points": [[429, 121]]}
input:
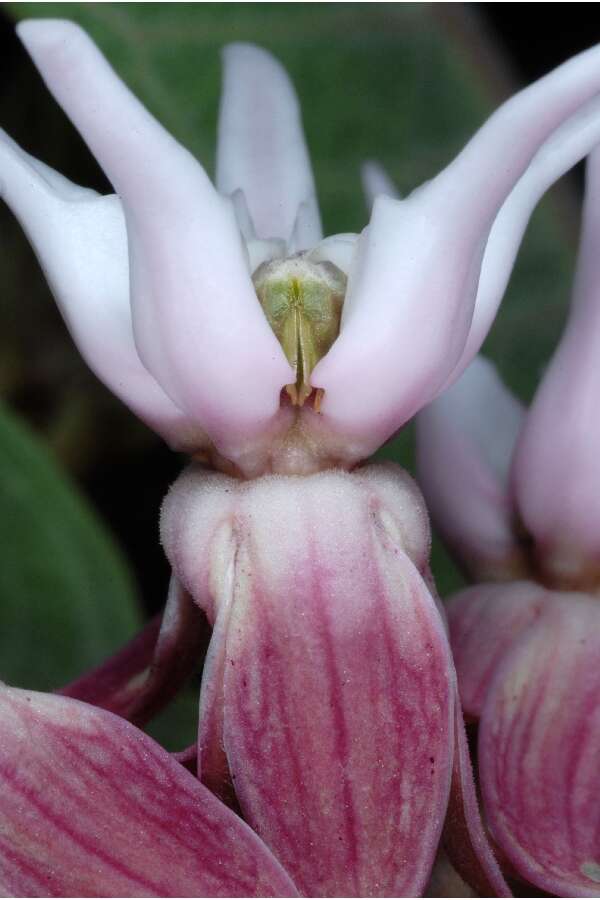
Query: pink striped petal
{"points": [[139, 680], [485, 620], [92, 807], [261, 148], [80, 240], [197, 322], [465, 441], [465, 840], [539, 745], [329, 692], [410, 299], [556, 462]]}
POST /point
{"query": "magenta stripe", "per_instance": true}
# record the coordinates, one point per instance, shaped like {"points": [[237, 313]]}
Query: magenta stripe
{"points": [[118, 814], [89, 846], [334, 679]]}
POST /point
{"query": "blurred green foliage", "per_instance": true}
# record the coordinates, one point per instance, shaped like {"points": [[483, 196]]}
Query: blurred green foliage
{"points": [[176, 727], [67, 599], [404, 83]]}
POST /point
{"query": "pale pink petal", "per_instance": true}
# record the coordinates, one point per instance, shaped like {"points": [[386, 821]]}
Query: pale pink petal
{"points": [[464, 838], [92, 807], [197, 322], [80, 240], [376, 181], [567, 146], [556, 462], [539, 741], [465, 442], [139, 680], [337, 689], [411, 296], [485, 620], [261, 148]]}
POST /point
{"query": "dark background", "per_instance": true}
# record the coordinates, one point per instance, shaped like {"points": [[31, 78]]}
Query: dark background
{"points": [[538, 36]]}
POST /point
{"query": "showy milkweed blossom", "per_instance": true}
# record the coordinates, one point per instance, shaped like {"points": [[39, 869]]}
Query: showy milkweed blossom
{"points": [[518, 499], [279, 360]]}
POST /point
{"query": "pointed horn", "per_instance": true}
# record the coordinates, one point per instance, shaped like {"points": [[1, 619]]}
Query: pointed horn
{"points": [[376, 181], [261, 148]]}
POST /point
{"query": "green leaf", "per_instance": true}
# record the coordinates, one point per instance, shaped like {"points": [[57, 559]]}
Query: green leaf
{"points": [[66, 598], [176, 727]]}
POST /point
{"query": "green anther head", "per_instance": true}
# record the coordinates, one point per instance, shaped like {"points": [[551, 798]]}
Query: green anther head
{"points": [[302, 301]]}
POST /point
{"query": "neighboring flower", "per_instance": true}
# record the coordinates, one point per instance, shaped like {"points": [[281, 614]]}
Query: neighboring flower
{"points": [[328, 699], [465, 442], [555, 470], [518, 496]]}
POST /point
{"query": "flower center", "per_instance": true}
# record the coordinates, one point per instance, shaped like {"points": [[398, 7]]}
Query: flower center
{"points": [[302, 301]]}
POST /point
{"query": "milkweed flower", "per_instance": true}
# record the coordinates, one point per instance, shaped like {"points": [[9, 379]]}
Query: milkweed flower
{"points": [[516, 494], [155, 282], [226, 322]]}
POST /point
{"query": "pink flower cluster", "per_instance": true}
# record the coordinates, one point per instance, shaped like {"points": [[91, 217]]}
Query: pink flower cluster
{"points": [[332, 756]]}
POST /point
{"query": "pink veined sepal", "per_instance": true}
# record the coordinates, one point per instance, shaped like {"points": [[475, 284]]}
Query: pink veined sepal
{"points": [[538, 750], [326, 636], [118, 816]]}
